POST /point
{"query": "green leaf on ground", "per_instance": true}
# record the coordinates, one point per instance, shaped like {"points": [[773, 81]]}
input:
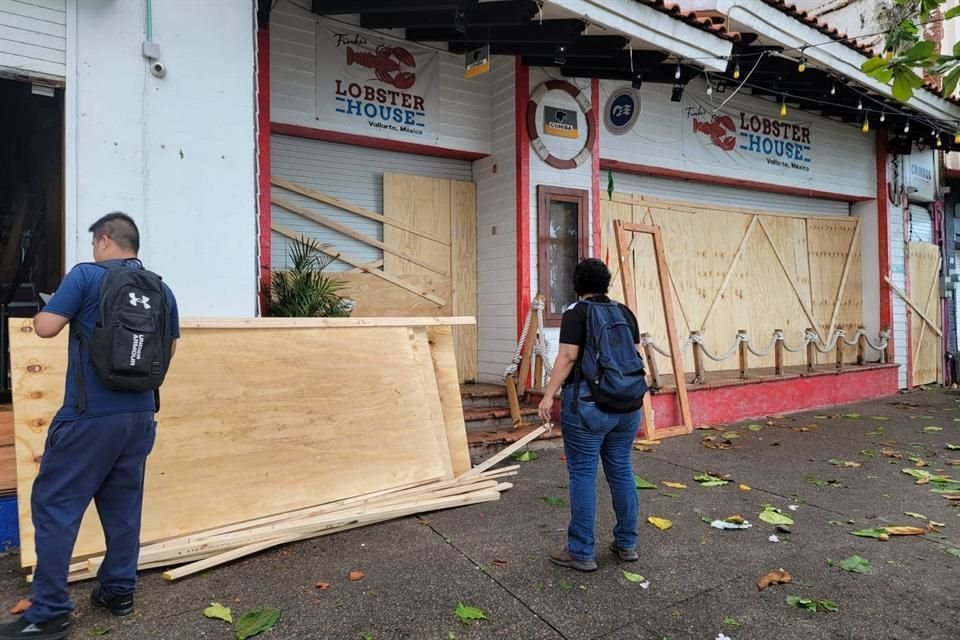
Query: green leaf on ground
{"points": [[851, 415], [567, 586], [731, 622], [218, 612], [879, 533], [469, 614], [919, 474], [255, 622], [101, 631], [634, 577], [953, 447], [821, 417], [772, 515], [640, 483], [953, 551], [525, 456], [554, 501], [731, 435], [914, 514], [856, 564], [755, 427], [880, 418], [868, 453], [811, 604], [845, 463], [876, 432], [709, 480], [932, 429]]}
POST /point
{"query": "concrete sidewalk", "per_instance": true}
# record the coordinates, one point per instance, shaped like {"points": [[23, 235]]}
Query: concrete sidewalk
{"points": [[494, 556]]}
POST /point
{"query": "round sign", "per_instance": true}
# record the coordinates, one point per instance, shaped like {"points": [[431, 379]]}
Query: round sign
{"points": [[623, 109], [583, 103]]}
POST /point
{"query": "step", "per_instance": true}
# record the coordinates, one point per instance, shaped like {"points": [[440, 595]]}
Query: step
{"points": [[486, 443], [494, 418], [483, 395]]}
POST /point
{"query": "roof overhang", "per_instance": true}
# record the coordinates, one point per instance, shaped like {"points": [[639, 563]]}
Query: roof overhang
{"points": [[769, 22], [656, 28]]}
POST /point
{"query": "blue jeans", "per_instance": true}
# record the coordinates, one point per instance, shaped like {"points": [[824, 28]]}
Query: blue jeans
{"points": [[589, 435], [101, 459]]}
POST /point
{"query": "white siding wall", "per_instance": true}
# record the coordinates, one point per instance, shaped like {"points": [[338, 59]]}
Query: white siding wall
{"points": [[844, 157], [708, 194], [177, 153], [33, 37], [463, 121], [543, 174], [898, 277], [350, 173], [496, 178], [921, 223]]}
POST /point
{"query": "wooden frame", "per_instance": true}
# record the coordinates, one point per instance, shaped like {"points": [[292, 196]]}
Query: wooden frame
{"points": [[621, 230], [545, 196]]}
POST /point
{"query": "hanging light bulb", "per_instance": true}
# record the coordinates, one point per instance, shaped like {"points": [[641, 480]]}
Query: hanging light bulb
{"points": [[709, 89], [866, 126], [956, 138], [736, 72], [833, 89], [883, 116], [906, 127], [803, 64], [860, 105], [939, 142], [677, 74], [783, 108], [933, 131]]}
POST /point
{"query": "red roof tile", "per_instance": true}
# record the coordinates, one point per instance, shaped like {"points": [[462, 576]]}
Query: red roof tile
{"points": [[704, 23]]}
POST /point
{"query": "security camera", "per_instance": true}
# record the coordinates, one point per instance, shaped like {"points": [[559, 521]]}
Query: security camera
{"points": [[158, 69]]}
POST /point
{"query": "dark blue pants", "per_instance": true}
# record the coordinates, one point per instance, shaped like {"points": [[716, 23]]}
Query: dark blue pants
{"points": [[102, 459]]}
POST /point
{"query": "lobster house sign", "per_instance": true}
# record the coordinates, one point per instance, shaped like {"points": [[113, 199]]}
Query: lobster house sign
{"points": [[375, 86]]}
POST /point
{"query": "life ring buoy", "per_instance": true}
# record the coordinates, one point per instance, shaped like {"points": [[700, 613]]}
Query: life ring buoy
{"points": [[583, 102]]}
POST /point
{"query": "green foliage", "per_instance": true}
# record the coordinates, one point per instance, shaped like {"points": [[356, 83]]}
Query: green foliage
{"points": [[304, 290]]}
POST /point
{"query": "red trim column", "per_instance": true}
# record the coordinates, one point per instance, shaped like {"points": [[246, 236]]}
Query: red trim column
{"points": [[263, 160], [521, 93], [595, 165], [904, 204], [883, 233]]}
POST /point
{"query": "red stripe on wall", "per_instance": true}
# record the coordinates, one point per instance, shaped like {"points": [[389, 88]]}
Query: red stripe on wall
{"points": [[675, 174], [521, 92], [883, 214], [595, 164], [298, 131], [263, 159]]}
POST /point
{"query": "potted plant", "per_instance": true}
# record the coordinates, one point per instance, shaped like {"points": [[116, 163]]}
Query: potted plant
{"points": [[303, 290]]}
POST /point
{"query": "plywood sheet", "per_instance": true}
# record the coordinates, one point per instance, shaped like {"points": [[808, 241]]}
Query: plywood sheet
{"points": [[424, 204], [444, 361], [463, 252], [376, 297], [324, 414], [923, 263]]}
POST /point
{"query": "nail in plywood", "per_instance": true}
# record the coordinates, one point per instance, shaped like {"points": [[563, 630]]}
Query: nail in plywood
{"points": [[317, 402]]}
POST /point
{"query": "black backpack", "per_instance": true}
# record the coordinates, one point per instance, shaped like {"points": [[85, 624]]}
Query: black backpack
{"points": [[609, 361], [130, 346]]}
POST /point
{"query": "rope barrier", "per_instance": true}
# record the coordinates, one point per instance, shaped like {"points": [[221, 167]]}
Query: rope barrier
{"points": [[763, 353], [541, 347]]}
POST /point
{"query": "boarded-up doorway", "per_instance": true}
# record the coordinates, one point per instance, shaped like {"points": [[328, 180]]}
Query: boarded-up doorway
{"points": [[923, 260]]}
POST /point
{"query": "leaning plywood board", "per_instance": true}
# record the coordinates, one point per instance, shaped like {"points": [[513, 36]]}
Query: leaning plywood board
{"points": [[445, 369], [463, 256], [924, 265], [422, 203], [281, 424]]}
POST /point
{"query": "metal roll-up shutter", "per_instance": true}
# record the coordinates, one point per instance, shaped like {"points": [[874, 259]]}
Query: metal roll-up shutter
{"points": [[349, 173], [732, 197], [33, 38], [921, 224]]}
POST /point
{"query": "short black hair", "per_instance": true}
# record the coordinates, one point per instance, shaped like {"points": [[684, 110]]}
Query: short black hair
{"points": [[120, 228], [591, 276]]}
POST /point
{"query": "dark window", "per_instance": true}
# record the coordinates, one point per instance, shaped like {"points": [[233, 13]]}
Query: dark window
{"points": [[562, 233]]}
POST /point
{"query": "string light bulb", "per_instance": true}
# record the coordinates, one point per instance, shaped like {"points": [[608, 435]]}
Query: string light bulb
{"points": [[866, 126], [802, 66], [956, 138], [833, 89], [736, 72], [906, 127], [860, 105], [783, 109], [939, 142], [677, 74], [883, 116], [709, 89]]}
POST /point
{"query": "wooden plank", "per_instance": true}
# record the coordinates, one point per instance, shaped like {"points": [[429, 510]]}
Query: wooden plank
{"points": [[431, 394], [463, 269], [350, 233], [360, 211], [934, 280], [443, 352], [421, 203], [376, 264], [505, 453], [320, 323], [935, 327], [330, 250], [729, 274], [854, 237], [793, 284], [316, 404], [373, 296]]}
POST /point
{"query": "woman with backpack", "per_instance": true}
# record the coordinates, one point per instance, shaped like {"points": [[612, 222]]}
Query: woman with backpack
{"points": [[603, 381]]}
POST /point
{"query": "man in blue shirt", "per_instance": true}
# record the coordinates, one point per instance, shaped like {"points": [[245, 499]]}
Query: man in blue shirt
{"points": [[96, 449]]}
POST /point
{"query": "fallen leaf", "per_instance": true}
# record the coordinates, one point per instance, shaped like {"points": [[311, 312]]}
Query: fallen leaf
{"points": [[856, 564], [755, 427], [852, 415], [709, 480], [905, 531], [935, 525], [772, 578], [323, 586], [731, 435], [566, 586], [920, 462], [711, 442], [357, 575], [218, 612], [101, 631], [735, 519], [880, 418], [649, 443], [953, 551], [744, 487], [499, 563], [731, 622], [640, 483], [255, 622], [952, 447], [845, 463], [913, 514], [821, 417], [469, 614], [640, 447], [772, 515], [932, 429], [525, 456], [554, 501], [633, 577], [811, 604], [879, 533], [20, 607], [675, 485], [660, 523]]}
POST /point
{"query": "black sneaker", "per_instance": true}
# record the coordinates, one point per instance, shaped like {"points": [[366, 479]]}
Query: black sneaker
{"points": [[53, 629], [118, 605], [625, 555]]}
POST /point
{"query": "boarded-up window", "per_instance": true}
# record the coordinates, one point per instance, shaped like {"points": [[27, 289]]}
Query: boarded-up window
{"points": [[562, 237]]}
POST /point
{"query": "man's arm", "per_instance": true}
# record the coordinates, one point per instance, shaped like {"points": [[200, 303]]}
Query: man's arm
{"points": [[49, 325], [63, 306]]}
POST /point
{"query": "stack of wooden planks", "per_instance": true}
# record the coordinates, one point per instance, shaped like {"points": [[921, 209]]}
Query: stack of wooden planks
{"points": [[275, 430]]}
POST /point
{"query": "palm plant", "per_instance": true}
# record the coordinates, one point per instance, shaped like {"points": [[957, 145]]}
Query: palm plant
{"points": [[304, 290]]}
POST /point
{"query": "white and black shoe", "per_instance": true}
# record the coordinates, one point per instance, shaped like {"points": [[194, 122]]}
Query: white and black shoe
{"points": [[53, 629]]}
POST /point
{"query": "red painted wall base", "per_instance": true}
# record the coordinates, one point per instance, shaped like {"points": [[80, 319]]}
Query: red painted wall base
{"points": [[732, 403]]}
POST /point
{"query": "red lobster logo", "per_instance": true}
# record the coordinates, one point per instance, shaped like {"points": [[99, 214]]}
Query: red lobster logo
{"points": [[719, 129], [388, 63]]}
